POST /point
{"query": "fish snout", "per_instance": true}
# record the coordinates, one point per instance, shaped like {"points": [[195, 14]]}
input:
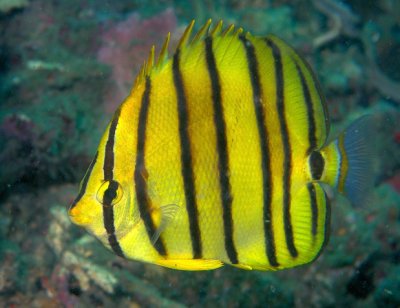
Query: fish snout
{"points": [[77, 214]]}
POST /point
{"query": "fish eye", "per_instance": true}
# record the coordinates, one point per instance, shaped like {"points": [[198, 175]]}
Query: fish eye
{"points": [[110, 193]]}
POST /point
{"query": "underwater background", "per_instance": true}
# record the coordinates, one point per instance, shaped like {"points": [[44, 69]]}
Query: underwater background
{"points": [[64, 68]]}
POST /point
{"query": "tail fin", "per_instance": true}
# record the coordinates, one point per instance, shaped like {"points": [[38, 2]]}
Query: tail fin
{"points": [[349, 161]]}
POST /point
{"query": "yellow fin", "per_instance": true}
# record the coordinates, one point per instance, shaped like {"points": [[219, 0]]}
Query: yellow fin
{"points": [[154, 64], [164, 51], [186, 35], [238, 31], [255, 267], [243, 266], [150, 60], [190, 264], [202, 32], [217, 29], [228, 30]]}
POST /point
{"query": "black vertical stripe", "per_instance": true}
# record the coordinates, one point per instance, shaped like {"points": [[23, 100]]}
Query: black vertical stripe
{"points": [[317, 164], [110, 193], [287, 164], [314, 208], [108, 217], [312, 139], [186, 158], [327, 230], [108, 167], [84, 182], [264, 148], [140, 170], [320, 96], [327, 225], [222, 150]]}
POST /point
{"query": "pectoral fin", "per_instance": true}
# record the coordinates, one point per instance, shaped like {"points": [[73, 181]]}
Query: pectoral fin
{"points": [[167, 213]]}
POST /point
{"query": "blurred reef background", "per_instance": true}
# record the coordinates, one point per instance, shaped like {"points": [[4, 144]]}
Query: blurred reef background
{"points": [[66, 65]]}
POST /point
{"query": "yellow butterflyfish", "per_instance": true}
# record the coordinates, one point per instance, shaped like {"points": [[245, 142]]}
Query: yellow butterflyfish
{"points": [[219, 155]]}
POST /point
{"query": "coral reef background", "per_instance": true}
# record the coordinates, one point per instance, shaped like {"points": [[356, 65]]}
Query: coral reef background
{"points": [[66, 65]]}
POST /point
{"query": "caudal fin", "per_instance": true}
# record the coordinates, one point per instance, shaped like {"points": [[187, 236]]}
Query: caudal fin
{"points": [[350, 160]]}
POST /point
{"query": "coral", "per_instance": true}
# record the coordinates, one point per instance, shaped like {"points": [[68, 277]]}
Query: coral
{"points": [[378, 79], [343, 21], [19, 127], [57, 286], [279, 20], [100, 276], [49, 101], [387, 294], [18, 133], [77, 260], [126, 44], [7, 6]]}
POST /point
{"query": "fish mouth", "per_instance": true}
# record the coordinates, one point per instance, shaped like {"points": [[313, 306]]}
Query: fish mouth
{"points": [[77, 217]]}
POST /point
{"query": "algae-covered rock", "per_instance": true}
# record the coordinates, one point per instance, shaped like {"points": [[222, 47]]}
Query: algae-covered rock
{"points": [[7, 6], [387, 293]]}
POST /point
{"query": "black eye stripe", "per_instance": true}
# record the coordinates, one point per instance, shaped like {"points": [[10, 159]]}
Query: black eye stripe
{"points": [[110, 193], [317, 164]]}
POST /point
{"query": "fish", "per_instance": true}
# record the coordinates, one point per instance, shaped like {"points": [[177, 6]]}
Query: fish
{"points": [[221, 154]]}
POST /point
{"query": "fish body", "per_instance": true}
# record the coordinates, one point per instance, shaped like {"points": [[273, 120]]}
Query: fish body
{"points": [[217, 157]]}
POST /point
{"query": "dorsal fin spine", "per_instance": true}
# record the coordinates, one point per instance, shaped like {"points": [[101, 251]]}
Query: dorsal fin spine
{"points": [[186, 35], [217, 29], [150, 61], [239, 31], [164, 51], [185, 40], [202, 32], [228, 30]]}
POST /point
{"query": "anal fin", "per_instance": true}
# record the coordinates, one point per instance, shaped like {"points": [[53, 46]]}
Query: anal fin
{"points": [[243, 266], [191, 264]]}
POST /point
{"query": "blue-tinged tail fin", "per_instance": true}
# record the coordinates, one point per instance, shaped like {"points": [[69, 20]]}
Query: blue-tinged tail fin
{"points": [[355, 147], [348, 161]]}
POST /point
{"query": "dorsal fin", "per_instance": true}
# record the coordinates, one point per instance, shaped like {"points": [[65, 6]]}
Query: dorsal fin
{"points": [[164, 51], [217, 29], [150, 60], [185, 41], [186, 35], [141, 75], [238, 31], [202, 32], [228, 30], [150, 63]]}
